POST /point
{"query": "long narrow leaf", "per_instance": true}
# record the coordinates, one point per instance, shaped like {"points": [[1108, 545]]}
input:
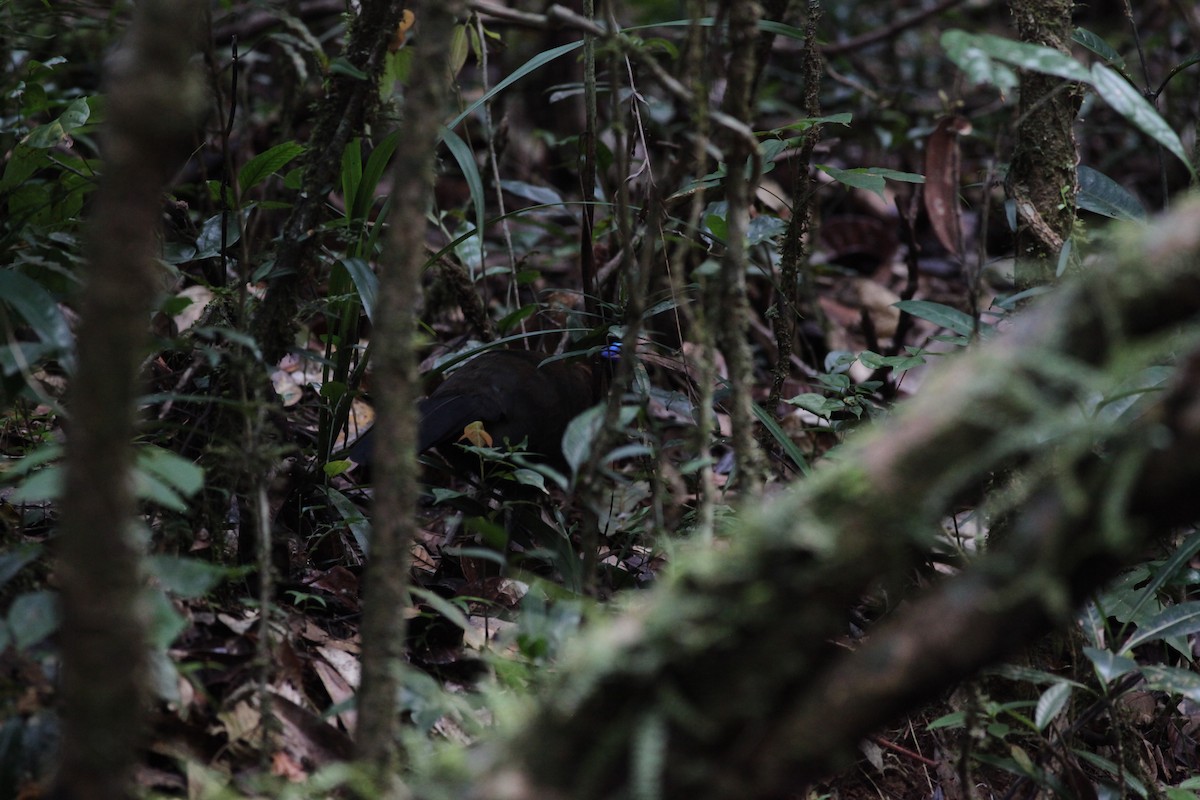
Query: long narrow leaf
{"points": [[1178, 620], [368, 183], [470, 170], [267, 163], [1129, 103], [540, 60]]}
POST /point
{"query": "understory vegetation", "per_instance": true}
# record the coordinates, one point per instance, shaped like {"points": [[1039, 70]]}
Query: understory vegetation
{"points": [[888, 485]]}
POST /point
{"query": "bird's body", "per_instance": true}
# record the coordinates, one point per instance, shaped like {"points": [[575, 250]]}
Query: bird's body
{"points": [[514, 395]]}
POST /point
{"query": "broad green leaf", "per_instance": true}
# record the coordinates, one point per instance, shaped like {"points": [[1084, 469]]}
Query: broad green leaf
{"points": [[939, 314], [30, 300], [32, 617], [39, 487], [579, 435], [1051, 702], [980, 68], [165, 623], [1173, 680], [896, 363], [1109, 666], [1129, 103], [152, 489], [869, 178], [843, 118], [22, 163], [267, 163], [185, 577], [172, 469], [1034, 57], [818, 404], [208, 243], [449, 610], [543, 195], [14, 560], [764, 228], [55, 132], [1177, 620], [1098, 46], [1102, 195], [458, 49]]}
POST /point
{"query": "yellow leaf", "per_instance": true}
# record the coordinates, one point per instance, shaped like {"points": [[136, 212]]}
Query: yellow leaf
{"points": [[407, 18], [476, 434]]}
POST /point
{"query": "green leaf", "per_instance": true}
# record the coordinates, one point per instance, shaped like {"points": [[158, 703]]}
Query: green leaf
{"points": [[150, 488], [939, 314], [955, 719], [470, 170], [963, 49], [1129, 103], [208, 243], [352, 515], [1109, 666], [1051, 703], [172, 469], [266, 164], [340, 66], [165, 623], [365, 281], [55, 132], [1098, 46], [1112, 769], [1034, 57], [1100, 194], [40, 486], [579, 435], [185, 577], [458, 49], [37, 307], [896, 363], [14, 560], [869, 178], [451, 612], [764, 228], [1178, 620], [542, 195], [781, 438], [351, 174], [368, 184], [540, 60], [32, 617], [1173, 680], [843, 118], [818, 404], [22, 163]]}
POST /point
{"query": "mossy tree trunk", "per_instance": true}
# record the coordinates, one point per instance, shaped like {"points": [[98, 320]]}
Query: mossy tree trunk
{"points": [[154, 104], [723, 683], [1042, 177]]}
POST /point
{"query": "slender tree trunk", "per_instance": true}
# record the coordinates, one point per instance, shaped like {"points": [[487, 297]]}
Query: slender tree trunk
{"points": [[396, 385], [154, 105], [1042, 178], [727, 300]]}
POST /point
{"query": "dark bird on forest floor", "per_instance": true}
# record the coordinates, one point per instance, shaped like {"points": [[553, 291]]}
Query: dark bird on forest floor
{"points": [[503, 397]]}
